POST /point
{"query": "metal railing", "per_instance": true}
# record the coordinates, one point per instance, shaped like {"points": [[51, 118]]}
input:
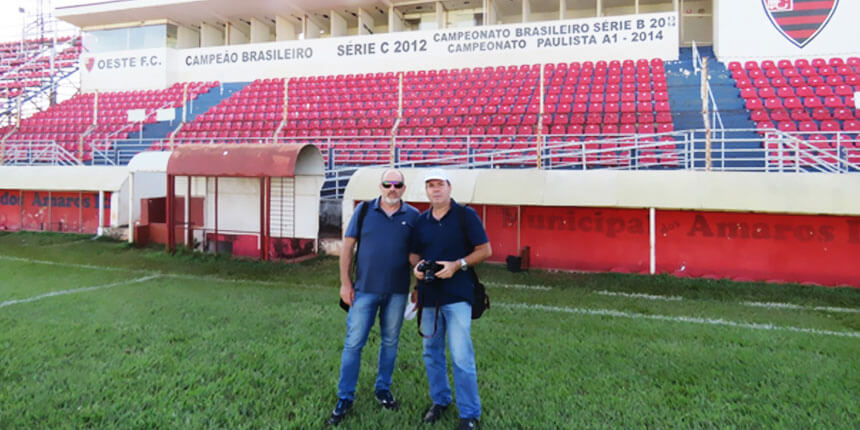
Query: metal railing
{"points": [[36, 152], [731, 150]]}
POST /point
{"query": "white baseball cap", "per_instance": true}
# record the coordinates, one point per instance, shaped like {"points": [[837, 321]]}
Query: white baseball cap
{"points": [[438, 174]]}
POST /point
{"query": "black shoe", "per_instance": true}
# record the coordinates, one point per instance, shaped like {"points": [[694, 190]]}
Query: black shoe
{"points": [[468, 424], [339, 413], [434, 413], [386, 399]]}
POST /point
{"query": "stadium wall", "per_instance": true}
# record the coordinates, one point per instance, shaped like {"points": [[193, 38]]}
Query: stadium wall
{"points": [[605, 38], [744, 226], [777, 29], [64, 199]]}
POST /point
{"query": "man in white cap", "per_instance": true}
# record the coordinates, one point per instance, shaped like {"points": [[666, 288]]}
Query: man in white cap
{"points": [[452, 236]]}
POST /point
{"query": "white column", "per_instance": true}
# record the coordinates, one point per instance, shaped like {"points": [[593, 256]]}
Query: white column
{"points": [[527, 11], [311, 29], [285, 29], [599, 8], [366, 24], [440, 15], [100, 229], [652, 231], [562, 9], [260, 31], [490, 12], [395, 20], [211, 35], [131, 222], [338, 24]]}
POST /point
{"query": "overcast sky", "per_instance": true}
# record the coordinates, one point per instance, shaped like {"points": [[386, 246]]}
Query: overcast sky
{"points": [[11, 18]]}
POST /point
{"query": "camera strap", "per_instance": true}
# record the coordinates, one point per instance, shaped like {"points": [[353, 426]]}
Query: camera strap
{"points": [[435, 319]]}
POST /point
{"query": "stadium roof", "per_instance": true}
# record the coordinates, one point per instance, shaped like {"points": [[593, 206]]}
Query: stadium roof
{"points": [[246, 161], [192, 12]]}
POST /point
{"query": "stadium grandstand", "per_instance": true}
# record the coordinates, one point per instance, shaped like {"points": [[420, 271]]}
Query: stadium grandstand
{"points": [[633, 87]]}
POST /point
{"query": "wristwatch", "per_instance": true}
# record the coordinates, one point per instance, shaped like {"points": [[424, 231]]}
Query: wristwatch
{"points": [[463, 265]]}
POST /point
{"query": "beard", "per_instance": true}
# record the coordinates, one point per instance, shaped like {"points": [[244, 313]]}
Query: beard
{"points": [[390, 201]]}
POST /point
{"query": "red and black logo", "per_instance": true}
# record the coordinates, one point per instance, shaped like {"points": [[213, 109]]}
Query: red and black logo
{"points": [[800, 20]]}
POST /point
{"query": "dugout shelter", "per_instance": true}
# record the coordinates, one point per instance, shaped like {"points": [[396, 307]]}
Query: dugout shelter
{"points": [[260, 201]]}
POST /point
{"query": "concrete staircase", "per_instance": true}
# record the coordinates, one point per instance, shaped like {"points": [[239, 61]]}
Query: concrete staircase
{"points": [[684, 97]]}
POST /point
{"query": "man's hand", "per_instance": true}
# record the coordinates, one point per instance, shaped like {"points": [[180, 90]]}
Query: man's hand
{"points": [[448, 270], [347, 293], [418, 274]]}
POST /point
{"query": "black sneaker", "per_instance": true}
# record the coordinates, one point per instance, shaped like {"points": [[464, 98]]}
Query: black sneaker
{"points": [[339, 413], [434, 413], [386, 399], [468, 424]]}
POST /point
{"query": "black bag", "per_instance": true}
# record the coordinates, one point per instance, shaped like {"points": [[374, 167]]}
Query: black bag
{"points": [[362, 212], [481, 301]]}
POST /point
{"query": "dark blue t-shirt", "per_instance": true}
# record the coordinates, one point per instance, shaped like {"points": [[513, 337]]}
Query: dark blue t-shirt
{"points": [[383, 252], [442, 240]]}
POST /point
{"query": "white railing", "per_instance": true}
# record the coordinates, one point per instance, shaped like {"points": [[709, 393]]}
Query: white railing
{"points": [[37, 152]]}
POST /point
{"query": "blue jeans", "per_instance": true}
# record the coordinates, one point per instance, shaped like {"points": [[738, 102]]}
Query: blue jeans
{"points": [[359, 321], [455, 321]]}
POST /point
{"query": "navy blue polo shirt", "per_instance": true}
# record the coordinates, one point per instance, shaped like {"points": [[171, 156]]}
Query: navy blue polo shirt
{"points": [[442, 240], [383, 253]]}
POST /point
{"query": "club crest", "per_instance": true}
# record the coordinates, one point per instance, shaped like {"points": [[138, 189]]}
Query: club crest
{"points": [[800, 21]]}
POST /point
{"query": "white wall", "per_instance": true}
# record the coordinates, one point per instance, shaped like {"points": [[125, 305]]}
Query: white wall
{"points": [[147, 185], [308, 206], [743, 30], [544, 42], [238, 205], [128, 70]]}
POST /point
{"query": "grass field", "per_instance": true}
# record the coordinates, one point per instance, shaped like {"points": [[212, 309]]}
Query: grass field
{"points": [[140, 339]]}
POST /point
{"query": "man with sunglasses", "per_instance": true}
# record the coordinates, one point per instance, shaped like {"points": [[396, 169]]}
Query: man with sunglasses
{"points": [[381, 286], [452, 236]]}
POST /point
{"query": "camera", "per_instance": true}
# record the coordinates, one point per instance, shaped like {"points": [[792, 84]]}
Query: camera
{"points": [[429, 268]]}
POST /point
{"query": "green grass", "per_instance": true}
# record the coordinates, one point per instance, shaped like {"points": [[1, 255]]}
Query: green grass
{"points": [[219, 343]]}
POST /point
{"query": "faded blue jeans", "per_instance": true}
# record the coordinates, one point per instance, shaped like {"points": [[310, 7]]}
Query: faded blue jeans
{"points": [[455, 323], [359, 321]]}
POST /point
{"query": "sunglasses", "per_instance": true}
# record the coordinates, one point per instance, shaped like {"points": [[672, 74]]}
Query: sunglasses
{"points": [[389, 184]]}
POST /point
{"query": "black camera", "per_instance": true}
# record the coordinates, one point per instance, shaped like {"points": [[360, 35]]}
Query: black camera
{"points": [[429, 268]]}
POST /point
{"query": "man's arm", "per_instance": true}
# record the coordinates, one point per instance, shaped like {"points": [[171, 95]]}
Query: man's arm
{"points": [[347, 292], [414, 259]]}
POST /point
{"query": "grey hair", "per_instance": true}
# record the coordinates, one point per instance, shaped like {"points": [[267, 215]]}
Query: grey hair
{"points": [[384, 172]]}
